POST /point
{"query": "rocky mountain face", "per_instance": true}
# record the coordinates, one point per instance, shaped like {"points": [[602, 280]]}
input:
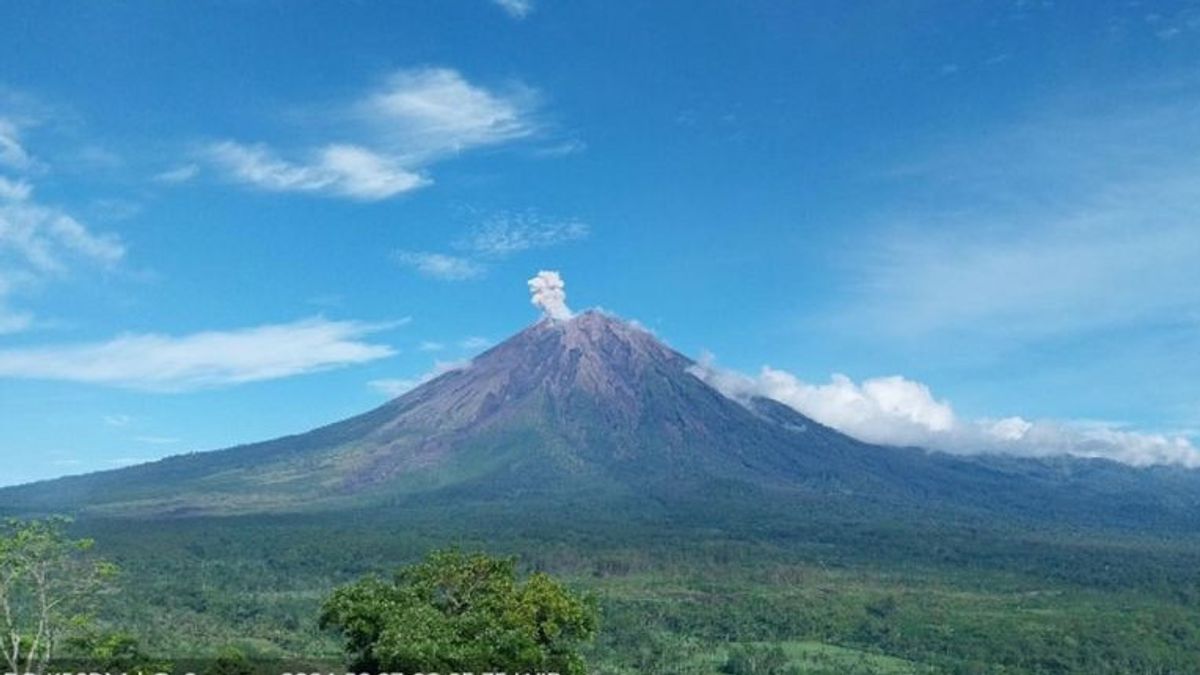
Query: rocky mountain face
{"points": [[597, 408]]}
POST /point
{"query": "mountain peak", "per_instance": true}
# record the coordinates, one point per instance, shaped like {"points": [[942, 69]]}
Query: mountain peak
{"points": [[592, 352], [595, 330], [571, 405]]}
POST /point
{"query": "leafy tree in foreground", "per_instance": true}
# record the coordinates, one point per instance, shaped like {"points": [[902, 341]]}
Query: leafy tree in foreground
{"points": [[48, 585], [456, 612]]}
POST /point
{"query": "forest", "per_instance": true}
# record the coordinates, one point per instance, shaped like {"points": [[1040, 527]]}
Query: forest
{"points": [[833, 593]]}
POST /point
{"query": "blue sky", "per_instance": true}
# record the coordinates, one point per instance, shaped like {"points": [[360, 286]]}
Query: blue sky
{"points": [[960, 224]]}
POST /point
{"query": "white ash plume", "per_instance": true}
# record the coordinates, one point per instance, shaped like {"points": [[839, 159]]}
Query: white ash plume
{"points": [[550, 295]]}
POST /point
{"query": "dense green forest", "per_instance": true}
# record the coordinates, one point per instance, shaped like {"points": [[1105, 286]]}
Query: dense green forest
{"points": [[821, 594]]}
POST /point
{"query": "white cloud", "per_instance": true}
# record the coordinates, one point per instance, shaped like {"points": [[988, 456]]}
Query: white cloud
{"points": [[177, 363], [561, 149], [425, 113], [1070, 221], [179, 174], [1098, 269], [12, 154], [13, 321], [393, 387], [431, 346], [43, 239], [415, 118], [500, 235], [345, 170], [474, 342], [897, 411], [440, 265], [505, 233], [117, 420], [40, 243], [14, 190], [517, 9]]}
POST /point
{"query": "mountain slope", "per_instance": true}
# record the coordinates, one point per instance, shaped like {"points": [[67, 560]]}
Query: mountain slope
{"points": [[596, 408]]}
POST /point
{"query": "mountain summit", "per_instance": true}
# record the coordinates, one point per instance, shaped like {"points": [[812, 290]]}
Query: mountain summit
{"points": [[587, 403], [596, 408]]}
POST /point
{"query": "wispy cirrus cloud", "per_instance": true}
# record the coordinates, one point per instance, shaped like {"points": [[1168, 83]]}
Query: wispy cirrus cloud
{"points": [[39, 243], [428, 113], [393, 387], [213, 358], [344, 170], [179, 174], [13, 154], [475, 342], [497, 236], [439, 265], [415, 118], [117, 420], [505, 233], [1067, 223], [517, 9]]}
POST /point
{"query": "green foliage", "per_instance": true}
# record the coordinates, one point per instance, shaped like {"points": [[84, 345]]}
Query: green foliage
{"points": [[456, 612], [753, 659], [842, 593], [49, 585], [231, 661], [115, 652]]}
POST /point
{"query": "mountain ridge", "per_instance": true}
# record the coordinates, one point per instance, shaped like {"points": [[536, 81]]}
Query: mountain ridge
{"points": [[594, 405]]}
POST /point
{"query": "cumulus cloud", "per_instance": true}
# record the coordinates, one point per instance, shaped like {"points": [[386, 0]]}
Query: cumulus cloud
{"points": [[517, 9], [901, 412], [548, 293], [177, 363], [418, 116], [393, 387], [440, 265]]}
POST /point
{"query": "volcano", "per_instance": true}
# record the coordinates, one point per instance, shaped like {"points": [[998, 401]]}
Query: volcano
{"points": [[597, 409]]}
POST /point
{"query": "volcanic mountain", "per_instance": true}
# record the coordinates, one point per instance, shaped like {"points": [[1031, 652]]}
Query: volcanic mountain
{"points": [[596, 409]]}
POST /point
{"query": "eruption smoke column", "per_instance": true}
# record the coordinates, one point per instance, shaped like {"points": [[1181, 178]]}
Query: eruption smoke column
{"points": [[550, 295]]}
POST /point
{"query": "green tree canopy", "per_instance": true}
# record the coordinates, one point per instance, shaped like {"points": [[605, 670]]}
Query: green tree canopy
{"points": [[457, 612], [113, 652]]}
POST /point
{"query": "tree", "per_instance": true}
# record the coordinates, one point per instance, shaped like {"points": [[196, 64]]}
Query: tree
{"points": [[755, 660], [456, 612], [48, 586], [113, 652], [231, 661]]}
